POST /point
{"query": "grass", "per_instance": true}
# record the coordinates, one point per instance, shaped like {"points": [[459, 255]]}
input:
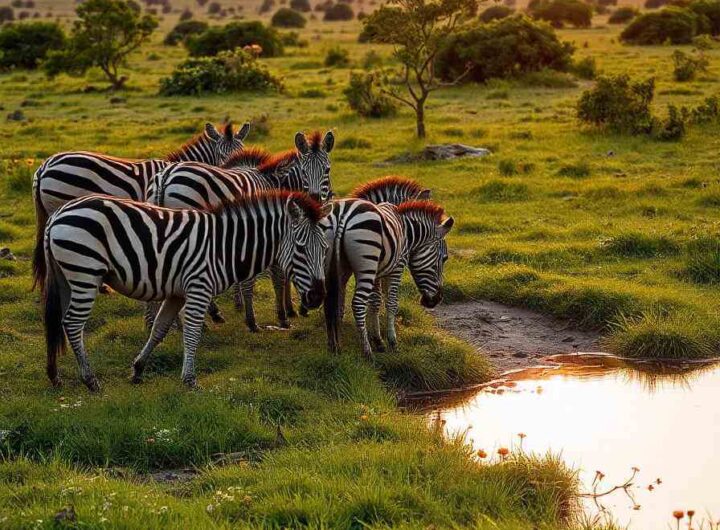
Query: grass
{"points": [[614, 232]]}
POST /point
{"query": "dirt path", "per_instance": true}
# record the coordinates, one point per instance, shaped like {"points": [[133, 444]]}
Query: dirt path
{"points": [[512, 337]]}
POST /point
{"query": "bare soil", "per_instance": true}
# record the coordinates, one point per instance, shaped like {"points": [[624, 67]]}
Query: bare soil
{"points": [[513, 338]]}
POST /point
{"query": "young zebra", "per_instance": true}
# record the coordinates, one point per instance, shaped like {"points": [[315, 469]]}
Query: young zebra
{"points": [[199, 186], [67, 176], [375, 243], [183, 257]]}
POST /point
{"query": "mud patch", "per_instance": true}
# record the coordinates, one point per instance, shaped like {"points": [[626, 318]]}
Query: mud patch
{"points": [[512, 337]]}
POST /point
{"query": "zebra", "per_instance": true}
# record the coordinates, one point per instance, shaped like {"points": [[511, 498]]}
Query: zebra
{"points": [[67, 176], [183, 257], [199, 186], [375, 243]]}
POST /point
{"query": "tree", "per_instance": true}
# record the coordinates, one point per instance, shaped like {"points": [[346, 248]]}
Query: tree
{"points": [[418, 29], [26, 45], [106, 32]]}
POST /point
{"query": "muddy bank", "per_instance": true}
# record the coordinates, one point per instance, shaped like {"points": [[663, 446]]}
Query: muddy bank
{"points": [[512, 337]]}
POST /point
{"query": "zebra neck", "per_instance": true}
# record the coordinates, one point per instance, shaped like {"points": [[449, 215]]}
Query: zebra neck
{"points": [[415, 232]]}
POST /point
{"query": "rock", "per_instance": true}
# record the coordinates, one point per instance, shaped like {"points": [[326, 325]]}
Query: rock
{"points": [[568, 339], [66, 515], [16, 115], [440, 152], [6, 254], [117, 100], [520, 355]]}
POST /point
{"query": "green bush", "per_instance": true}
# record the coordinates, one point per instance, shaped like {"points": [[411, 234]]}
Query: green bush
{"points": [[288, 18], [686, 66], [337, 57], [671, 24], [6, 14], [674, 126], [226, 72], [183, 30], [364, 97], [300, 5], [561, 12], [508, 47], [338, 12], [26, 45], [618, 104], [710, 9], [496, 12], [235, 35], [585, 68], [623, 15]]}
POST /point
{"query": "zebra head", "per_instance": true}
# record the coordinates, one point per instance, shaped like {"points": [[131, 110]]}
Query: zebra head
{"points": [[223, 143], [303, 255], [425, 229], [314, 163]]}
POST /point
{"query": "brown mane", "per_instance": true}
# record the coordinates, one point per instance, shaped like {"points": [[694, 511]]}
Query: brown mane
{"points": [[252, 156], [315, 139], [391, 181], [426, 207], [311, 208], [274, 162], [176, 155]]}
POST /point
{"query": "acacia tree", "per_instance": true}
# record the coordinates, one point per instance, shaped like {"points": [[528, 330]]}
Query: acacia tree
{"points": [[106, 32], [418, 29]]}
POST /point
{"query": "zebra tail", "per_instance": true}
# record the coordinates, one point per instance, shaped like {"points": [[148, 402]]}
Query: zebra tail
{"points": [[332, 289], [41, 216], [54, 311]]}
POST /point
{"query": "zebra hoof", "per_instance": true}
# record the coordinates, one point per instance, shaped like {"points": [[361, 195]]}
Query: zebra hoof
{"points": [[378, 345], [253, 327], [191, 383], [392, 345], [303, 311], [93, 384], [217, 318], [284, 324], [56, 382]]}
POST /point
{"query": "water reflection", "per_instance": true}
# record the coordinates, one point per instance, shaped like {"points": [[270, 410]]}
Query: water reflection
{"points": [[607, 419]]}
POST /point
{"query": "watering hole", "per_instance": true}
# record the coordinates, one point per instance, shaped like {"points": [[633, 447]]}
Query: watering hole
{"points": [[602, 414]]}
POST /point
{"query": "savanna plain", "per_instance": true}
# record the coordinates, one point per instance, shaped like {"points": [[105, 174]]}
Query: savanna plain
{"points": [[605, 229]]}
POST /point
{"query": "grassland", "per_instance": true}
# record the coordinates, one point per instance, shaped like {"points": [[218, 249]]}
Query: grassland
{"points": [[612, 231]]}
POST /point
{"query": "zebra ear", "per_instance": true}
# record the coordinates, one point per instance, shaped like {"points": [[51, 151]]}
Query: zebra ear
{"points": [[296, 212], [328, 141], [326, 209], [301, 143], [444, 227], [424, 195], [212, 132], [243, 132]]}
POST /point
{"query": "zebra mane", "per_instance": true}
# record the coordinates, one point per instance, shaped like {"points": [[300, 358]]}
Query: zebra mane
{"points": [[363, 191], [315, 139], [177, 155], [279, 161], [253, 156], [429, 208], [310, 207]]}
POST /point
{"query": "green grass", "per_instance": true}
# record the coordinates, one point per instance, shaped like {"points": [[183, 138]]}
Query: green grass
{"points": [[613, 232]]}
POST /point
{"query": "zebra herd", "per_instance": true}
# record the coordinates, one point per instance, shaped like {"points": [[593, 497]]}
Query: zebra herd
{"points": [[181, 230]]}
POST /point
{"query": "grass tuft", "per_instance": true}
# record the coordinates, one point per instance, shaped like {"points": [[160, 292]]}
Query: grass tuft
{"points": [[499, 191]]}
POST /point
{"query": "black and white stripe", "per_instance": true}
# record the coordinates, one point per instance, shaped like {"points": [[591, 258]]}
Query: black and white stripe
{"points": [[70, 175], [184, 257]]}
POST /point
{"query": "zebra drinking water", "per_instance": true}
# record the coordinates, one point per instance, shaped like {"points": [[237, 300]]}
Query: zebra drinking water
{"points": [[67, 176], [375, 243], [183, 257]]}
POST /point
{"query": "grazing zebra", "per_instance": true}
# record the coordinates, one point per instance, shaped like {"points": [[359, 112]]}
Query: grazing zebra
{"points": [[199, 186], [67, 176], [375, 243], [392, 189], [184, 257]]}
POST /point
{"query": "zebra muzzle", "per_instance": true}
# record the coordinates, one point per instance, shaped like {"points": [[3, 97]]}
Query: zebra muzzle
{"points": [[314, 297], [431, 301]]}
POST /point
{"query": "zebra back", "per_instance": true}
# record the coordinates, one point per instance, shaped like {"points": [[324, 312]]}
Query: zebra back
{"points": [[392, 189]]}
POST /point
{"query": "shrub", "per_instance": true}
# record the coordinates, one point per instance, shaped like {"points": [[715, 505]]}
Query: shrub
{"points": [[300, 5], [214, 8], [673, 128], [338, 12], [6, 14], [187, 14], [710, 9], [585, 68], [26, 45], [372, 60], [702, 264], [655, 4], [674, 24], [496, 12], [561, 12], [364, 97], [235, 35], [266, 6], [338, 57], [623, 15], [183, 30], [292, 38], [226, 72], [504, 48], [687, 66], [288, 18], [618, 104]]}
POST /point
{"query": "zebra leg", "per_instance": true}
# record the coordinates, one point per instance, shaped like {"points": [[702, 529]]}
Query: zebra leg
{"points": [[247, 289], [289, 308], [151, 311], [81, 304], [391, 306], [281, 284], [374, 319], [196, 305], [215, 314], [238, 297], [161, 324], [363, 287]]}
